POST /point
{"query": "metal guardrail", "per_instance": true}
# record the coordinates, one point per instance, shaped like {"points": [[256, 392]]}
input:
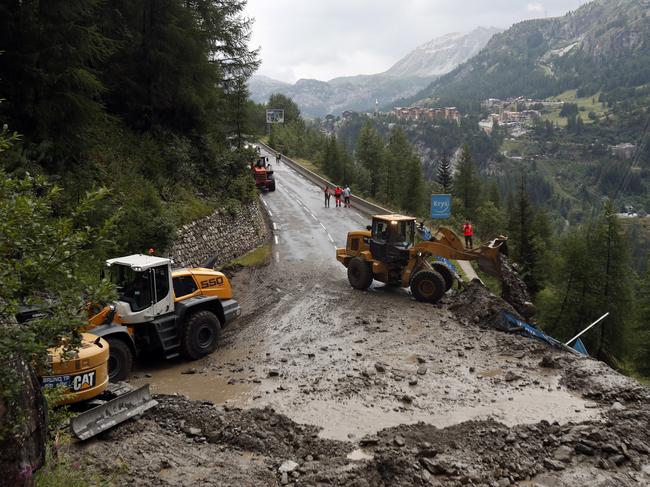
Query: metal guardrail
{"points": [[357, 203]]}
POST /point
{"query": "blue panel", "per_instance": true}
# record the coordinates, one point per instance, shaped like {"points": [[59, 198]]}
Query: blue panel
{"points": [[578, 346], [440, 206]]}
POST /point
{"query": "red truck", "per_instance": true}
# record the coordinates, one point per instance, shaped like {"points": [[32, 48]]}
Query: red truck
{"points": [[263, 174]]}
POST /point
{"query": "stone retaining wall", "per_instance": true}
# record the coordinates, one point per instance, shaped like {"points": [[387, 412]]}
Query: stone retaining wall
{"points": [[221, 237]]}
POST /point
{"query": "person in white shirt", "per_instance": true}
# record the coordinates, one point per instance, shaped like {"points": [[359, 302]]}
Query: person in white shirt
{"points": [[346, 196]]}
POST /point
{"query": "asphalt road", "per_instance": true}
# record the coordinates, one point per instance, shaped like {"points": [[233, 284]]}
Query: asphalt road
{"points": [[304, 228]]}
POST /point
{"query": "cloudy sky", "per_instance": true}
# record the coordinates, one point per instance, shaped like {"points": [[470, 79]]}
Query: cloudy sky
{"points": [[323, 39]]}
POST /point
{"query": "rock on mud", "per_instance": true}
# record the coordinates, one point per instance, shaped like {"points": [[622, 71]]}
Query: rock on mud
{"points": [[514, 291]]}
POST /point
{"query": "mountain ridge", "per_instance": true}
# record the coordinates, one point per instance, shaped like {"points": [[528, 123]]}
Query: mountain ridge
{"points": [[602, 45], [406, 77]]}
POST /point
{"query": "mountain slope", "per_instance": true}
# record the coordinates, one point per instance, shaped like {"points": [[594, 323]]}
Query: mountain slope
{"points": [[406, 78], [443, 54], [603, 45]]}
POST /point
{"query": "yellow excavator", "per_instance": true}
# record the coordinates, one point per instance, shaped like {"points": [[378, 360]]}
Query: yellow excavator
{"points": [[83, 375], [387, 251]]}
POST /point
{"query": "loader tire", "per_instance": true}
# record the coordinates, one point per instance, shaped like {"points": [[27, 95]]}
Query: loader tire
{"points": [[428, 286], [359, 274], [446, 274], [272, 186], [200, 335], [120, 360]]}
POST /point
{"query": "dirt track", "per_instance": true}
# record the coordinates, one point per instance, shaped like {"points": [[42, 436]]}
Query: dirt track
{"points": [[374, 388]]}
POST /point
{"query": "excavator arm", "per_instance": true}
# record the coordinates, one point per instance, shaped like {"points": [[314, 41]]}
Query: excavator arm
{"points": [[445, 243]]}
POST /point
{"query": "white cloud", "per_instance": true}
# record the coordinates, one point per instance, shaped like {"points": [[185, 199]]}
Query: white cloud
{"points": [[326, 39]]}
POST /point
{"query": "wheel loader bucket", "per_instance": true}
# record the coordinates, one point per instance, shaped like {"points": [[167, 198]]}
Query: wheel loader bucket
{"points": [[94, 421]]}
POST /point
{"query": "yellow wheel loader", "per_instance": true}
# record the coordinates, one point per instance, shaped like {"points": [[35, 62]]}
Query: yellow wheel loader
{"points": [[387, 251], [170, 312], [84, 376]]}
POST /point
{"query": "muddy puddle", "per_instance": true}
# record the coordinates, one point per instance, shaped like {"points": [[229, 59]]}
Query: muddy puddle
{"points": [[441, 405]]}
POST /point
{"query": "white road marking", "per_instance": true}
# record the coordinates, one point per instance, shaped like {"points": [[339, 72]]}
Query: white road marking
{"points": [[358, 214], [270, 214], [275, 227], [330, 237], [276, 239], [313, 216], [277, 256], [335, 248], [323, 227], [265, 203]]}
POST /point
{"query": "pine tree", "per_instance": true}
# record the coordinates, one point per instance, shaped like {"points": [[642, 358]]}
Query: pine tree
{"points": [[176, 62], [592, 277], [413, 198], [397, 151], [642, 355], [571, 289], [615, 285], [370, 154], [50, 52], [444, 175], [334, 160], [494, 195], [239, 111], [529, 233], [467, 186]]}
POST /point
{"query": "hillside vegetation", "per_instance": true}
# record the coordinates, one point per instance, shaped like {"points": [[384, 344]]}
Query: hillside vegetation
{"points": [[143, 98]]}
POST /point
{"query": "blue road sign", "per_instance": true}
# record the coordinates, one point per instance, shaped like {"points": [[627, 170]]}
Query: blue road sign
{"points": [[440, 206]]}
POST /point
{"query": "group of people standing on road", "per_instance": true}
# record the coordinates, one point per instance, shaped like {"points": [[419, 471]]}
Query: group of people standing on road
{"points": [[338, 194]]}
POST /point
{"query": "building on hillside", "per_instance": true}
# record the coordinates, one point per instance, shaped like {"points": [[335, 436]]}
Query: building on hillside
{"points": [[623, 151], [430, 114], [515, 122]]}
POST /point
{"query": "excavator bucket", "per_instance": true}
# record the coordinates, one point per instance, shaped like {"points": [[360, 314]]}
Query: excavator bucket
{"points": [[117, 410], [489, 266]]}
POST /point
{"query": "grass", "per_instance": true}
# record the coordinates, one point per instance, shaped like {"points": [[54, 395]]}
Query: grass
{"points": [[309, 165], [60, 470], [585, 105], [491, 282], [257, 257]]}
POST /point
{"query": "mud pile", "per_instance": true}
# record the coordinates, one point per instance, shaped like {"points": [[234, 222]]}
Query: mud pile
{"points": [[185, 442], [487, 453], [513, 289], [476, 304]]}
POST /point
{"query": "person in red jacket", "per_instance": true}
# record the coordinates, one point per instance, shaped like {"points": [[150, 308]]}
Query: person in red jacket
{"points": [[468, 231], [337, 194]]}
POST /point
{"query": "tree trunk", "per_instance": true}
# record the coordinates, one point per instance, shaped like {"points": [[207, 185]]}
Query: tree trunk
{"points": [[22, 451]]}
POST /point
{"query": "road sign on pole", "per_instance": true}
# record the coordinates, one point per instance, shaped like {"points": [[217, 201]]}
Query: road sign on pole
{"points": [[440, 206], [274, 115]]}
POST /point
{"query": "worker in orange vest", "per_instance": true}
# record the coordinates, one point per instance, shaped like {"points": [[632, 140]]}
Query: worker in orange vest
{"points": [[468, 231], [337, 194]]}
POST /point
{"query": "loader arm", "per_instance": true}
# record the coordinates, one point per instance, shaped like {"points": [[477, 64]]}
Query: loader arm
{"points": [[447, 244]]}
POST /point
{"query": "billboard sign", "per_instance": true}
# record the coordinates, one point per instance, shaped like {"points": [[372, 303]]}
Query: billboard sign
{"points": [[274, 115], [440, 206]]}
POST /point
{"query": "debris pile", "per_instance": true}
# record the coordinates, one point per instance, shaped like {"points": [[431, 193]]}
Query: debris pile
{"points": [[513, 289], [478, 305]]}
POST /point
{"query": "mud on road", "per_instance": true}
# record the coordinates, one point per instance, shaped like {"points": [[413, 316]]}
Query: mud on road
{"points": [[318, 384]]}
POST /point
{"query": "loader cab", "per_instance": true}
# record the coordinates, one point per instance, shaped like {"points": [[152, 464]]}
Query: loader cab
{"points": [[392, 237], [144, 286]]}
